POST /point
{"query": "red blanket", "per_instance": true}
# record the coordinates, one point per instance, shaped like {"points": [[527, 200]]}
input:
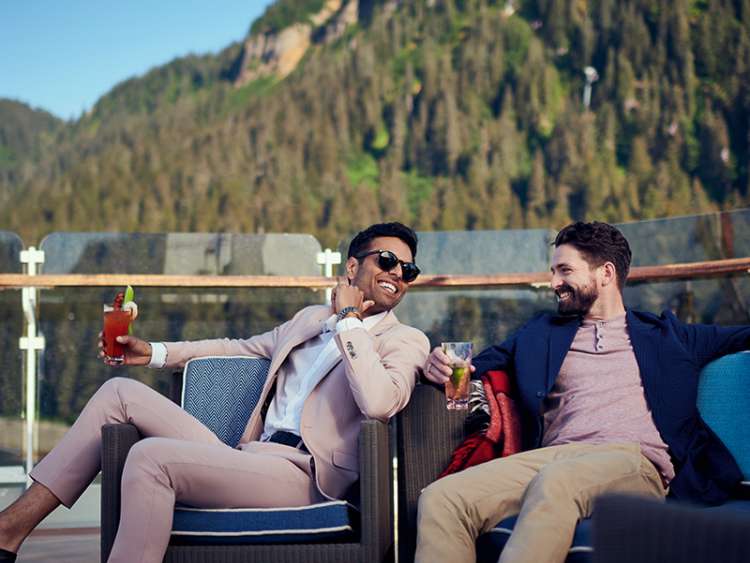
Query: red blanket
{"points": [[502, 437]]}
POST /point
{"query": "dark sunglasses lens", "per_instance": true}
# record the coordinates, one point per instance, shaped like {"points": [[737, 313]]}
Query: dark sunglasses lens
{"points": [[387, 261], [409, 272]]}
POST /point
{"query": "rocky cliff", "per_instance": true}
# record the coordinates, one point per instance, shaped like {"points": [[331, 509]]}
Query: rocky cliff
{"points": [[278, 53]]}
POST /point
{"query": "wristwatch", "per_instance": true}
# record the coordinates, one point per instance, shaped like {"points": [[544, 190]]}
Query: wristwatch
{"points": [[346, 311]]}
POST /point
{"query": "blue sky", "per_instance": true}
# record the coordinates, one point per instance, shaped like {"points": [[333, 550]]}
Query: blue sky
{"points": [[63, 56]]}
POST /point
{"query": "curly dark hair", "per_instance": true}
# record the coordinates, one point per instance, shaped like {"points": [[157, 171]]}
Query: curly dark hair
{"points": [[599, 243], [361, 242]]}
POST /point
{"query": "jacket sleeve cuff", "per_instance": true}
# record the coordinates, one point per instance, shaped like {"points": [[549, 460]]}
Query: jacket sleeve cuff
{"points": [[348, 323]]}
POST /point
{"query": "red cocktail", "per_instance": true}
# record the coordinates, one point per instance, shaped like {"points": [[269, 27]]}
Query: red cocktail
{"points": [[116, 323]]}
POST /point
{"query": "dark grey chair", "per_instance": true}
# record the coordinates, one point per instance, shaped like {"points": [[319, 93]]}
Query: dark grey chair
{"points": [[369, 538], [426, 435], [628, 529]]}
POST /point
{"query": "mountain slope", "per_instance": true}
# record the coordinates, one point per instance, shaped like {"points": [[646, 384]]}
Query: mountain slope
{"points": [[24, 134], [446, 114]]}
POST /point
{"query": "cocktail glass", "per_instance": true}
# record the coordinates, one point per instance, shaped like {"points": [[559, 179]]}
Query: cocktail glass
{"points": [[457, 387], [116, 323]]}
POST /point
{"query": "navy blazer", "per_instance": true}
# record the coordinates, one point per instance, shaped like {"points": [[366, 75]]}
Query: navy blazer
{"points": [[670, 356]]}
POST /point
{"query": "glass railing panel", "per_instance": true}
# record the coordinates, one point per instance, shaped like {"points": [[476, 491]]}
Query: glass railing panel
{"points": [[695, 238], [739, 232], [71, 318], [10, 249], [181, 253], [483, 316], [11, 364]]}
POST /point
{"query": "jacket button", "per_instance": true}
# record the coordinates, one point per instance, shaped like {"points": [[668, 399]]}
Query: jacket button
{"points": [[540, 394]]}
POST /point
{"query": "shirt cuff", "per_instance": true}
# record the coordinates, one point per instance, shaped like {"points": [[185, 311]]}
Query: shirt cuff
{"points": [[158, 355], [348, 323]]}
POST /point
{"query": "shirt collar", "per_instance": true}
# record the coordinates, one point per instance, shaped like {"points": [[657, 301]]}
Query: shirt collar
{"points": [[372, 320], [368, 322]]}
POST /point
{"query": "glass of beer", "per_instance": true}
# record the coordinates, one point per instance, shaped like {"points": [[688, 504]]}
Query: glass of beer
{"points": [[457, 387]]}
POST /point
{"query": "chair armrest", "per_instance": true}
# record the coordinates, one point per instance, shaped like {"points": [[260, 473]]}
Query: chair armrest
{"points": [[375, 489], [117, 439], [427, 433], [175, 386], [630, 528]]}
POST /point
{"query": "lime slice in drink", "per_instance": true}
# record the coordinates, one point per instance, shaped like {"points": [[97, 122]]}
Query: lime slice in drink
{"points": [[458, 375]]}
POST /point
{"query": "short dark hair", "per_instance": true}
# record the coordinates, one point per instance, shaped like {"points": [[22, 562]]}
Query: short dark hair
{"points": [[599, 243], [361, 242]]}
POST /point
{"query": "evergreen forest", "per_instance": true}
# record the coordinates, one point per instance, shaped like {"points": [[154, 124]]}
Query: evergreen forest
{"points": [[446, 114]]}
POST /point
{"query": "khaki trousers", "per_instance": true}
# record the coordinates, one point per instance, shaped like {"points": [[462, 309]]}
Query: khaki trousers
{"points": [[549, 488], [179, 460]]}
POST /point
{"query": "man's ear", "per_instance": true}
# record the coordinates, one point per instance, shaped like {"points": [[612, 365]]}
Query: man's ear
{"points": [[609, 273], [352, 266]]}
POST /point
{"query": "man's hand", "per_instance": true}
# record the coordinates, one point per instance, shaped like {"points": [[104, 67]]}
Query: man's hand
{"points": [[346, 295], [438, 367], [137, 351]]}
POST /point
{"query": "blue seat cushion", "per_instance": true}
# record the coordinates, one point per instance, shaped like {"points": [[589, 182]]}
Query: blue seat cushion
{"points": [[326, 521], [490, 545], [724, 401]]}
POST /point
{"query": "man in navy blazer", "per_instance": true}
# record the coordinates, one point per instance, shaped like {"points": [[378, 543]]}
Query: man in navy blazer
{"points": [[607, 398]]}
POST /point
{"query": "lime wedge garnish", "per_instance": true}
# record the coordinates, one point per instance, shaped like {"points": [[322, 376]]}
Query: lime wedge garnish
{"points": [[457, 375], [129, 297]]}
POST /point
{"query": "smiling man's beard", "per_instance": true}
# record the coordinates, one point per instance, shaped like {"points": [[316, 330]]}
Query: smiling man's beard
{"points": [[580, 300]]}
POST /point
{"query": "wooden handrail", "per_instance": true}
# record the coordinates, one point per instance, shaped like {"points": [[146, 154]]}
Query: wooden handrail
{"points": [[709, 269]]}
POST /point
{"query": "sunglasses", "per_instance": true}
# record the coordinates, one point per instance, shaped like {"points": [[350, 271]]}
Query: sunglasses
{"points": [[387, 260]]}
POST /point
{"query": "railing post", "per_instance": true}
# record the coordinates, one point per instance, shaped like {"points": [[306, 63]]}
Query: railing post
{"points": [[328, 259], [30, 345]]}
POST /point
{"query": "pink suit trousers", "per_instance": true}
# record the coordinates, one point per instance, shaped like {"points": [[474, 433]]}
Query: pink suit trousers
{"points": [[179, 459]]}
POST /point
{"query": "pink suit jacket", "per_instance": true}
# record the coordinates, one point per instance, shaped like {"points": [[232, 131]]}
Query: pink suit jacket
{"points": [[373, 379]]}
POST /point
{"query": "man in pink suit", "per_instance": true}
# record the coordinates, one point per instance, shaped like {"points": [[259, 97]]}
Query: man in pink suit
{"points": [[331, 367]]}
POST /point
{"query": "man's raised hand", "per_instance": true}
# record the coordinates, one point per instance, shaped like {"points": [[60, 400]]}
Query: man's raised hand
{"points": [[137, 351], [346, 295]]}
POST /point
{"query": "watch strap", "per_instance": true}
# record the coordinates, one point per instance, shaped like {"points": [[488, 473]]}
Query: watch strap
{"points": [[343, 313]]}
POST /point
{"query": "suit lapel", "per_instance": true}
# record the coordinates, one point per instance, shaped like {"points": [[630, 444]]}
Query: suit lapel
{"points": [[304, 330], [562, 332], [646, 350], [384, 324]]}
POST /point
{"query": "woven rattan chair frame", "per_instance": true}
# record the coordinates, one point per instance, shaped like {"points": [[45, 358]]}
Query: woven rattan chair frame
{"points": [[427, 433]]}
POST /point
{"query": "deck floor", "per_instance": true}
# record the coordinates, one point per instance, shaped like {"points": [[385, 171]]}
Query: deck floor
{"points": [[61, 546]]}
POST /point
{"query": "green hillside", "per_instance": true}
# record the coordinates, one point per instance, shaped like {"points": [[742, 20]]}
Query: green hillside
{"points": [[25, 133], [447, 114]]}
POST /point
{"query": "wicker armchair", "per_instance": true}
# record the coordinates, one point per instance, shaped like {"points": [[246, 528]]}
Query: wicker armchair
{"points": [[368, 539]]}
